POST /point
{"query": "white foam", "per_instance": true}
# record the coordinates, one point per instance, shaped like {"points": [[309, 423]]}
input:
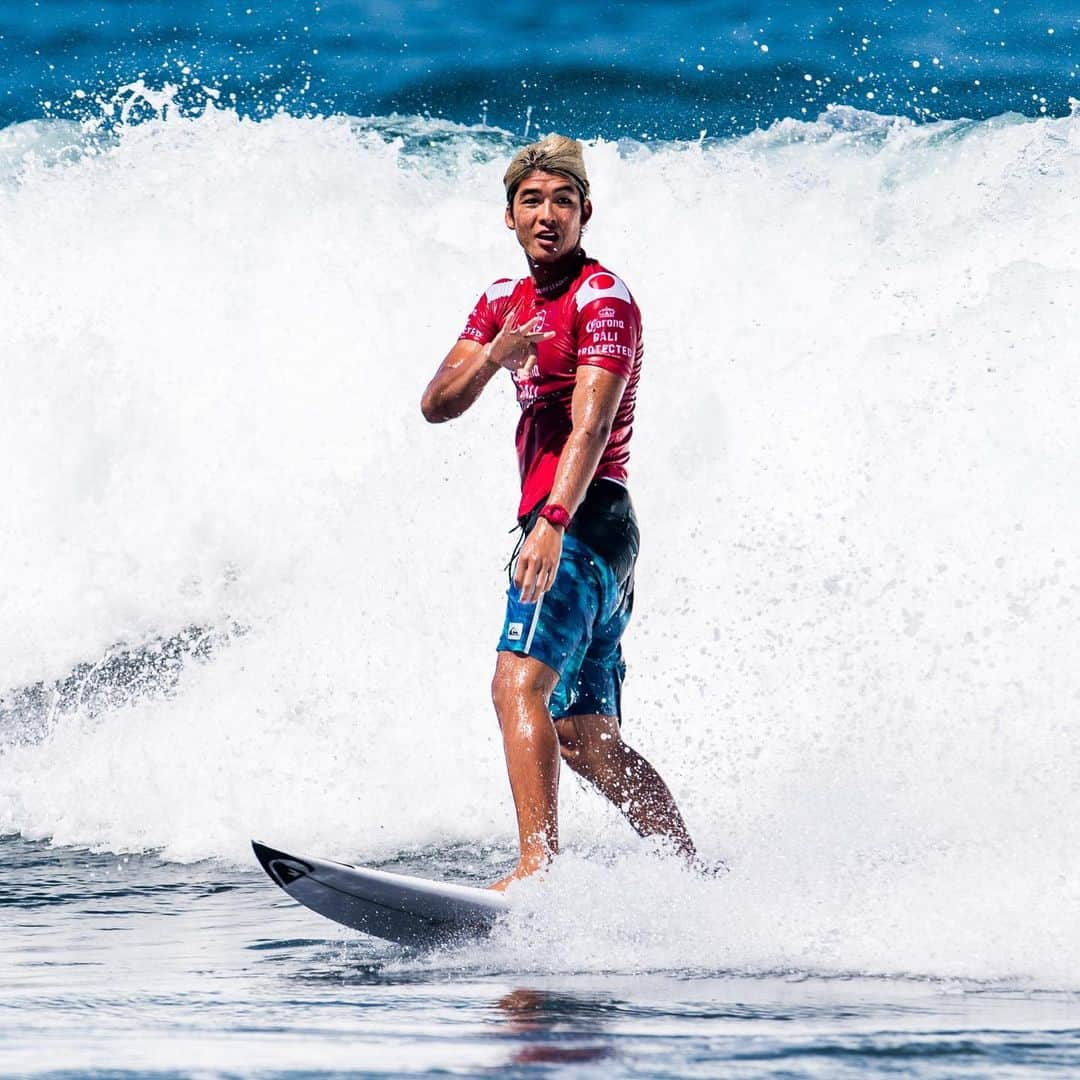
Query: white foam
{"points": [[854, 649]]}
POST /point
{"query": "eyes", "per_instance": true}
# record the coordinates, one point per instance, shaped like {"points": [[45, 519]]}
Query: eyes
{"points": [[563, 201]]}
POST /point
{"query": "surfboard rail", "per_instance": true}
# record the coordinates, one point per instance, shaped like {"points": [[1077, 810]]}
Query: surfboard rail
{"points": [[397, 907]]}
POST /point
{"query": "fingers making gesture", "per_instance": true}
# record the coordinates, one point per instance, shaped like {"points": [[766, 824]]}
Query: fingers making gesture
{"points": [[514, 346]]}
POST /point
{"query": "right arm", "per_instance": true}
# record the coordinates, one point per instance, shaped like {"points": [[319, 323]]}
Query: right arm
{"points": [[468, 368]]}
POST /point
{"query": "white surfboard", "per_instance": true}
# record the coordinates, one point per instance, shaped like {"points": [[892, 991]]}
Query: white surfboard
{"points": [[408, 910]]}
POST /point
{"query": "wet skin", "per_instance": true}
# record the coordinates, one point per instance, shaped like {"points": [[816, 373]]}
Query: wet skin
{"points": [[547, 215]]}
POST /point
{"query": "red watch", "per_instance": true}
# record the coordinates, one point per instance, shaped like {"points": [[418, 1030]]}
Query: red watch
{"points": [[557, 515]]}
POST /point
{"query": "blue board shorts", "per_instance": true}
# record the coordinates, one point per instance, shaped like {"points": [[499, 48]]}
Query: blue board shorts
{"points": [[575, 628]]}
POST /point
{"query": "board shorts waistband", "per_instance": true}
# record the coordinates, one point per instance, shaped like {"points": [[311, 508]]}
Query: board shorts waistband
{"points": [[605, 522]]}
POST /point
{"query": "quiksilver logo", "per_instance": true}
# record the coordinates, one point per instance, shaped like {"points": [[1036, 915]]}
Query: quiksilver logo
{"points": [[514, 630]]}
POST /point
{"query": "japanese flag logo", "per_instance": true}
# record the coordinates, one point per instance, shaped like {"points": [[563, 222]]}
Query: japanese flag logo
{"points": [[599, 285]]}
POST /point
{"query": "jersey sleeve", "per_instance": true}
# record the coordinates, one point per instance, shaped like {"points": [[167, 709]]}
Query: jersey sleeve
{"points": [[485, 319], [608, 325]]}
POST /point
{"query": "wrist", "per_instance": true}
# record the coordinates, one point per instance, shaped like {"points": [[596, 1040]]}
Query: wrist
{"points": [[556, 514]]}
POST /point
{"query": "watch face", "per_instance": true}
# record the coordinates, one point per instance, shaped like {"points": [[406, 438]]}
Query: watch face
{"points": [[556, 514]]}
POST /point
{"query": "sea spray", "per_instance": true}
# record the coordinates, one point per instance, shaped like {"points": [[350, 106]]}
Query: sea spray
{"points": [[853, 648]]}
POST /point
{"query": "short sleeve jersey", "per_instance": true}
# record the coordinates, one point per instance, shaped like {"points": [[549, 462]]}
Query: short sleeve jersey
{"points": [[596, 322]]}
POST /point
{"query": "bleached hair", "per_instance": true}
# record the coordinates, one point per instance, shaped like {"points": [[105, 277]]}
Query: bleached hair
{"points": [[553, 154]]}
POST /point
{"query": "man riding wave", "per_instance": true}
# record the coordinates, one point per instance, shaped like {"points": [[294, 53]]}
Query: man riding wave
{"points": [[570, 335]]}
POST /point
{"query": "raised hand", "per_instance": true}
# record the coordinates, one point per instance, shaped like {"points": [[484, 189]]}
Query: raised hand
{"points": [[514, 346]]}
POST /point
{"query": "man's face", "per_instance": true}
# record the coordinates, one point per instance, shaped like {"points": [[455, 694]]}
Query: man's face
{"points": [[547, 215]]}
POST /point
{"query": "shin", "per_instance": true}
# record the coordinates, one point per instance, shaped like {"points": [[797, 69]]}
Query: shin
{"points": [[521, 690]]}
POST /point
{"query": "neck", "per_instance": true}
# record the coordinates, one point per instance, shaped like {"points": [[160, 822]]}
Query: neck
{"points": [[553, 277]]}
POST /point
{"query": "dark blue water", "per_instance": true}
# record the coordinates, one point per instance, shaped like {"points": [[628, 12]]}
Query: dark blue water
{"points": [[638, 69]]}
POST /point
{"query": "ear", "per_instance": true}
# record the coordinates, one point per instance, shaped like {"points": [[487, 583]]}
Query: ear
{"points": [[586, 212], [509, 217]]}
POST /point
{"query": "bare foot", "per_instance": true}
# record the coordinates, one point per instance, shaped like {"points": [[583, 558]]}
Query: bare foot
{"points": [[525, 868]]}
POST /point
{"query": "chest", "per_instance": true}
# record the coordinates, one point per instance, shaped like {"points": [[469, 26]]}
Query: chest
{"points": [[556, 359]]}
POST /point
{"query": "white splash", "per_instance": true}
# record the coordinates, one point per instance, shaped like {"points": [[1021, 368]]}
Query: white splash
{"points": [[855, 464]]}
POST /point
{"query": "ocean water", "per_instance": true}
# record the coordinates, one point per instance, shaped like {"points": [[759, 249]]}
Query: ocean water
{"points": [[638, 69], [248, 592]]}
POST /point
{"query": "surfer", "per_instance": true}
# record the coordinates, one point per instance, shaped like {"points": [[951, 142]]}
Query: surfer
{"points": [[570, 335]]}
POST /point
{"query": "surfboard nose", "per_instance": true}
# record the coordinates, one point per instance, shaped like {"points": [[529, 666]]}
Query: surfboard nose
{"points": [[282, 867]]}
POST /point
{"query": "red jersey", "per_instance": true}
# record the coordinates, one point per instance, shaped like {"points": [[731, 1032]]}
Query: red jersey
{"points": [[596, 322]]}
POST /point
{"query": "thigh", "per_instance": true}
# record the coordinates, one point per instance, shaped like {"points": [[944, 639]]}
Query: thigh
{"points": [[557, 630], [603, 669], [516, 675], [598, 690]]}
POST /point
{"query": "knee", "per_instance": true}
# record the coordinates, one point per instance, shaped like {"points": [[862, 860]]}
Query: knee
{"points": [[589, 749], [518, 684]]}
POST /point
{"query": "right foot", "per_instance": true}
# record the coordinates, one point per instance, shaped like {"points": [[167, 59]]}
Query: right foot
{"points": [[524, 869]]}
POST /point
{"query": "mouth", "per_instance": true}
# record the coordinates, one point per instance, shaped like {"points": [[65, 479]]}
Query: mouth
{"points": [[548, 239]]}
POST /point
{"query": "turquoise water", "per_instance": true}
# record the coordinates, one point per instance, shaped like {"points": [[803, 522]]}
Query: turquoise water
{"points": [[249, 593]]}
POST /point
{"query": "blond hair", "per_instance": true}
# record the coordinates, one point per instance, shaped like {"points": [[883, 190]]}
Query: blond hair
{"points": [[553, 154]]}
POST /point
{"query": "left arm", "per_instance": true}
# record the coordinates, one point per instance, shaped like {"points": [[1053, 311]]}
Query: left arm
{"points": [[597, 394]]}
